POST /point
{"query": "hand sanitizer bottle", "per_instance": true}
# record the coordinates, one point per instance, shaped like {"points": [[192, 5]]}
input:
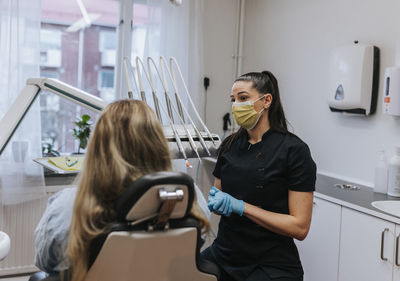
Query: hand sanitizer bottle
{"points": [[381, 174], [394, 175]]}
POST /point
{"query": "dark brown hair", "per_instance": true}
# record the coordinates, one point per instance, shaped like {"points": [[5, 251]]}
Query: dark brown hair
{"points": [[265, 83]]}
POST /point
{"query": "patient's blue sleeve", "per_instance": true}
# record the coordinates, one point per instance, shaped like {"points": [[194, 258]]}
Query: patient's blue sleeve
{"points": [[51, 234]]}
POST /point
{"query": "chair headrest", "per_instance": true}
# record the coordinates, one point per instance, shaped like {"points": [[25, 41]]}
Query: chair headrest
{"points": [[144, 197]]}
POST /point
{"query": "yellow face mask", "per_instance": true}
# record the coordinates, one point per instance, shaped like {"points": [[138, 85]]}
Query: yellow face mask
{"points": [[245, 115]]}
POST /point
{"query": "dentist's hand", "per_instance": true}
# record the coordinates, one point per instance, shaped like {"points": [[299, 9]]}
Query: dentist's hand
{"points": [[213, 198], [223, 203]]}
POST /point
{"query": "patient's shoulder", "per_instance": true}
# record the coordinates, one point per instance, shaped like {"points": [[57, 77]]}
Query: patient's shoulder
{"points": [[66, 194]]}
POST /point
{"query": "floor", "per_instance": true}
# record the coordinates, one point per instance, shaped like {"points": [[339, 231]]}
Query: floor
{"points": [[19, 278]]}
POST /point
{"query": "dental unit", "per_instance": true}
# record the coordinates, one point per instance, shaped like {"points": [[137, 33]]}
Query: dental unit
{"points": [[185, 140], [157, 107], [171, 105]]}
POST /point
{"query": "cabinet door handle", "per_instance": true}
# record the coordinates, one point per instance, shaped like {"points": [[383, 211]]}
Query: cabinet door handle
{"points": [[383, 244], [397, 250]]}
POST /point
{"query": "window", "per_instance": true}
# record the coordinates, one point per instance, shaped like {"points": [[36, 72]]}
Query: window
{"points": [[50, 48], [57, 117], [108, 41], [49, 73], [78, 54], [106, 79], [50, 39]]}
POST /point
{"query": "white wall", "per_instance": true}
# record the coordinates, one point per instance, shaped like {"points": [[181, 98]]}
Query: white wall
{"points": [[293, 39], [220, 20]]}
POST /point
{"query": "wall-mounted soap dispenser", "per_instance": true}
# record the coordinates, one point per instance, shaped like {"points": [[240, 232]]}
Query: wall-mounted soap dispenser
{"points": [[354, 79], [391, 91]]}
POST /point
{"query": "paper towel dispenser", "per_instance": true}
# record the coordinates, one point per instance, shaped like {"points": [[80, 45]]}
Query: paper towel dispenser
{"points": [[354, 79]]}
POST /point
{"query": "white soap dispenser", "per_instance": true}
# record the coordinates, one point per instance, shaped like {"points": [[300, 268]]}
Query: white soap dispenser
{"points": [[394, 175], [381, 174]]}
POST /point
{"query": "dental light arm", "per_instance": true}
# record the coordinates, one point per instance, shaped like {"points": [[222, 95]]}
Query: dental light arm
{"points": [[13, 117]]}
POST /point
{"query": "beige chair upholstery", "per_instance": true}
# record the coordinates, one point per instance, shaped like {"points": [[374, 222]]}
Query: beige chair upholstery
{"points": [[169, 256], [145, 249]]}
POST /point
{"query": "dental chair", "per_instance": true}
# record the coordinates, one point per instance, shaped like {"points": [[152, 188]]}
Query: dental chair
{"points": [[155, 238], [4, 245]]}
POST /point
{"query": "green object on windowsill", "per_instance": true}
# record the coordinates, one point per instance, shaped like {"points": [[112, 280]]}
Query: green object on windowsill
{"points": [[83, 130]]}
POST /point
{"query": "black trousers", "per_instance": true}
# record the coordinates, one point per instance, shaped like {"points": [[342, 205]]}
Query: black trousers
{"points": [[257, 275]]}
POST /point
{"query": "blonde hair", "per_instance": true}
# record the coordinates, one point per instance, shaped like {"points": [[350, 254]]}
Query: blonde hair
{"points": [[127, 143]]}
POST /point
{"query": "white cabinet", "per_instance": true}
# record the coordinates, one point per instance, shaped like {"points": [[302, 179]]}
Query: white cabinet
{"points": [[319, 252], [396, 267], [347, 245], [366, 247]]}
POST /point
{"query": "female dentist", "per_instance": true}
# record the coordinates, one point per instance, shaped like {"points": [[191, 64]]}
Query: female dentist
{"points": [[263, 189]]}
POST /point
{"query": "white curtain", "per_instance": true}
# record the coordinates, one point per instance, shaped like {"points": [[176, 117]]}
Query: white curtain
{"points": [[21, 179], [174, 31]]}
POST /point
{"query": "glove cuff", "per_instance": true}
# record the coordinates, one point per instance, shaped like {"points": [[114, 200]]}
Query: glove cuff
{"points": [[241, 211], [238, 207]]}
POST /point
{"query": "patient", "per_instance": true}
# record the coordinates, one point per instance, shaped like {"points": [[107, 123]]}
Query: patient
{"points": [[127, 143]]}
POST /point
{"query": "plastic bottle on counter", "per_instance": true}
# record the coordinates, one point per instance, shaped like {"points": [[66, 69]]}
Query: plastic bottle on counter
{"points": [[381, 174], [394, 174]]}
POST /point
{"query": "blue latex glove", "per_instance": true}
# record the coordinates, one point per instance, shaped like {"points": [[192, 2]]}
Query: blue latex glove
{"points": [[212, 199], [214, 190], [223, 203]]}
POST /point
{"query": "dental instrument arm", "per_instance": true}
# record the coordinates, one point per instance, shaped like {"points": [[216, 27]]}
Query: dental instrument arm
{"points": [[171, 61], [162, 79], [191, 141], [140, 82], [153, 90], [131, 74], [175, 132], [128, 80], [180, 106]]}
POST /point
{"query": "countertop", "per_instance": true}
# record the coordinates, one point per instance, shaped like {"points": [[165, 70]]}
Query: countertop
{"points": [[360, 199]]}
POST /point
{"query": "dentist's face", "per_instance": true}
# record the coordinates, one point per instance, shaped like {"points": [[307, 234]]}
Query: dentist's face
{"points": [[243, 91]]}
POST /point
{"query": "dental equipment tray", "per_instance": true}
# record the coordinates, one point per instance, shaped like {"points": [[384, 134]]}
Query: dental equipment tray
{"points": [[49, 164]]}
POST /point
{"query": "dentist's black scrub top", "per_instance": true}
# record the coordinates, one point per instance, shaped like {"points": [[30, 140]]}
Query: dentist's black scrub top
{"points": [[261, 174]]}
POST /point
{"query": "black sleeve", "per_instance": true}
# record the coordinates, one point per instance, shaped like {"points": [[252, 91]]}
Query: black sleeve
{"points": [[301, 168], [218, 165]]}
